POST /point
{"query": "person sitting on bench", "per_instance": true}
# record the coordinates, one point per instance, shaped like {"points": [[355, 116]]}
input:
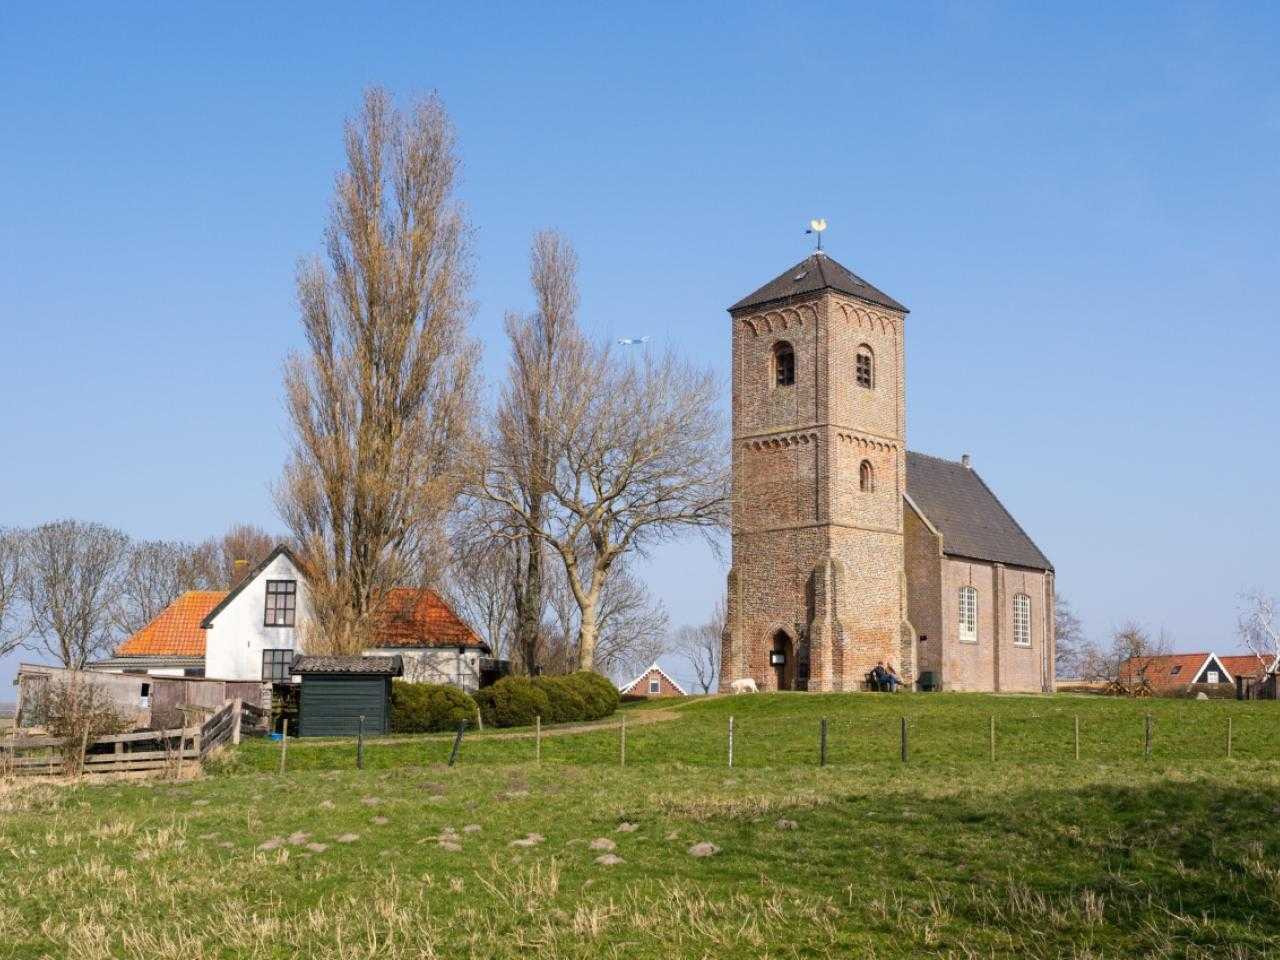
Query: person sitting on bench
{"points": [[884, 678]]}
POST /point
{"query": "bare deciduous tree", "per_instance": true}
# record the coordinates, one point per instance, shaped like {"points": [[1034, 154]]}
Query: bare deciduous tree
{"points": [[155, 572], [546, 346], [12, 573], [73, 572], [1258, 626], [219, 563], [1068, 637], [701, 646], [632, 626], [478, 586], [381, 402], [638, 455], [1126, 663]]}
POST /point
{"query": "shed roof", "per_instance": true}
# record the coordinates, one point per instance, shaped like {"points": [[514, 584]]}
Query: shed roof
{"points": [[416, 618], [973, 523], [813, 274], [369, 666]]}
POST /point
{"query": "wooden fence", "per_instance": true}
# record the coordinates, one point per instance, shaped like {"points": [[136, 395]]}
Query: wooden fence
{"points": [[146, 750]]}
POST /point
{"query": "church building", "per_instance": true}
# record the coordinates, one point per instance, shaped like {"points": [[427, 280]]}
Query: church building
{"points": [[848, 549]]}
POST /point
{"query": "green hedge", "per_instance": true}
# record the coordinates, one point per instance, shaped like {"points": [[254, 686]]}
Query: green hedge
{"points": [[428, 707], [518, 701]]}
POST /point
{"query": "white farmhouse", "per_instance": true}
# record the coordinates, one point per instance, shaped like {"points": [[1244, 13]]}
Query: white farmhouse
{"points": [[254, 631]]}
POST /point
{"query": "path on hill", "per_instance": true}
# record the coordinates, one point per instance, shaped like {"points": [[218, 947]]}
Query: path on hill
{"points": [[637, 719]]}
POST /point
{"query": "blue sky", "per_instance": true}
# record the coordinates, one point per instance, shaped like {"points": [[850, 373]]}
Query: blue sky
{"points": [[1079, 205]]}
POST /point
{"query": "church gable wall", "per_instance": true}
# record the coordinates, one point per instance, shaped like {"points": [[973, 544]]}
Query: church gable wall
{"points": [[924, 561]]}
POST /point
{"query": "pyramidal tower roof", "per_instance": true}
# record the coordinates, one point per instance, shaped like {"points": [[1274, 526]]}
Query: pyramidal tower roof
{"points": [[813, 274]]}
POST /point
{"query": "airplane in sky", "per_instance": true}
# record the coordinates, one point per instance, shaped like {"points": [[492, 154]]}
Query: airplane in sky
{"points": [[632, 341]]}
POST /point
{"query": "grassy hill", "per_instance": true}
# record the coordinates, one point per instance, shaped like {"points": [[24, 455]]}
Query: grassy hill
{"points": [[949, 855]]}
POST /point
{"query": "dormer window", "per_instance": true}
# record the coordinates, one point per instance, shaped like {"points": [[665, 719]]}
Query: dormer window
{"points": [[784, 364], [282, 603]]}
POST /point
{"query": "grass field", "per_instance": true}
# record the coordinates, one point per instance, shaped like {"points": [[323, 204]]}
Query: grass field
{"points": [[949, 855]]}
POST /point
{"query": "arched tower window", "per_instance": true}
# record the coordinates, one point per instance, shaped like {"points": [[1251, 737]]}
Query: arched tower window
{"points": [[784, 364], [968, 615], [867, 477], [866, 367], [1022, 619]]}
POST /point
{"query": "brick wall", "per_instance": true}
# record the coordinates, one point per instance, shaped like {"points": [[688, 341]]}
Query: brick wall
{"points": [[641, 688], [817, 562]]}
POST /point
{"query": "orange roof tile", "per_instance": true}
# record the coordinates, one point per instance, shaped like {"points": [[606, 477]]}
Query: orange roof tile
{"points": [[175, 632], [1245, 664], [420, 618]]}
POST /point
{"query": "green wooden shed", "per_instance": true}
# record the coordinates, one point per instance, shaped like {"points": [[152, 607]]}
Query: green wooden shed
{"points": [[338, 691]]}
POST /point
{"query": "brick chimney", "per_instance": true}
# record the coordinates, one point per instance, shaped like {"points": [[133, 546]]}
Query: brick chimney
{"points": [[238, 569], [966, 461]]}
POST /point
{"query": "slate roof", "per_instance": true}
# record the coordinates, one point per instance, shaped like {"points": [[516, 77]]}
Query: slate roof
{"points": [[368, 666], [973, 523], [811, 275], [175, 632]]}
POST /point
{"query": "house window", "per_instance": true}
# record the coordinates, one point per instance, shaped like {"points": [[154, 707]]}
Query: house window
{"points": [[282, 603], [968, 615], [1022, 619], [865, 367], [654, 685], [1177, 669], [275, 665], [1212, 676], [144, 697], [866, 477], [784, 364]]}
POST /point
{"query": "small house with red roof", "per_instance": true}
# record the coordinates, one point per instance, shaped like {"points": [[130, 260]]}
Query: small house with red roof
{"points": [[256, 630], [652, 684], [1174, 672]]}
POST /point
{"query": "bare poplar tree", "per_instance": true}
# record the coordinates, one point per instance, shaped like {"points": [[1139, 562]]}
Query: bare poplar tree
{"points": [[546, 346], [12, 574], [73, 571], [701, 646], [1258, 626], [380, 403]]}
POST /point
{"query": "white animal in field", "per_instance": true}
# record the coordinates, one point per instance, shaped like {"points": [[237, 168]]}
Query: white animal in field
{"points": [[745, 685]]}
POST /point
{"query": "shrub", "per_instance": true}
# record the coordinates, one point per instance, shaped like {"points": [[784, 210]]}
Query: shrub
{"points": [[567, 698], [601, 696], [513, 702], [428, 707]]}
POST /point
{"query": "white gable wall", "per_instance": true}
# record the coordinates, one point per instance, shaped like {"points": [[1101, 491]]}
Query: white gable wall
{"points": [[235, 640]]}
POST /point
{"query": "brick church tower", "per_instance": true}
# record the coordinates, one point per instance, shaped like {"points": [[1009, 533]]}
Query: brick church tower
{"points": [[817, 590]]}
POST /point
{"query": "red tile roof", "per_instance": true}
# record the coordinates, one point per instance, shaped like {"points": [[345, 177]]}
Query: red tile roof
{"points": [[175, 632], [1245, 665], [420, 618], [1169, 670], [413, 618]]}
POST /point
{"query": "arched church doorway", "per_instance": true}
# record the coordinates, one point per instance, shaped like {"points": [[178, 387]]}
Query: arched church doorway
{"points": [[782, 658]]}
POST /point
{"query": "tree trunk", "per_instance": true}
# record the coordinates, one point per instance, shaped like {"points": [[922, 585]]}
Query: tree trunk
{"points": [[588, 632]]}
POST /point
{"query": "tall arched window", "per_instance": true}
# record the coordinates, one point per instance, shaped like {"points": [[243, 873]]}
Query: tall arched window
{"points": [[866, 477], [968, 615], [1022, 619], [866, 367], [784, 364]]}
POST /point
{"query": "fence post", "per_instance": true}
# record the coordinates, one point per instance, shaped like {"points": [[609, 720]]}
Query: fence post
{"points": [[731, 741], [284, 742], [537, 738], [993, 738], [822, 743], [360, 745], [457, 742], [1077, 736], [182, 745], [237, 705], [1228, 738], [623, 742], [904, 739], [84, 749], [1146, 749]]}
